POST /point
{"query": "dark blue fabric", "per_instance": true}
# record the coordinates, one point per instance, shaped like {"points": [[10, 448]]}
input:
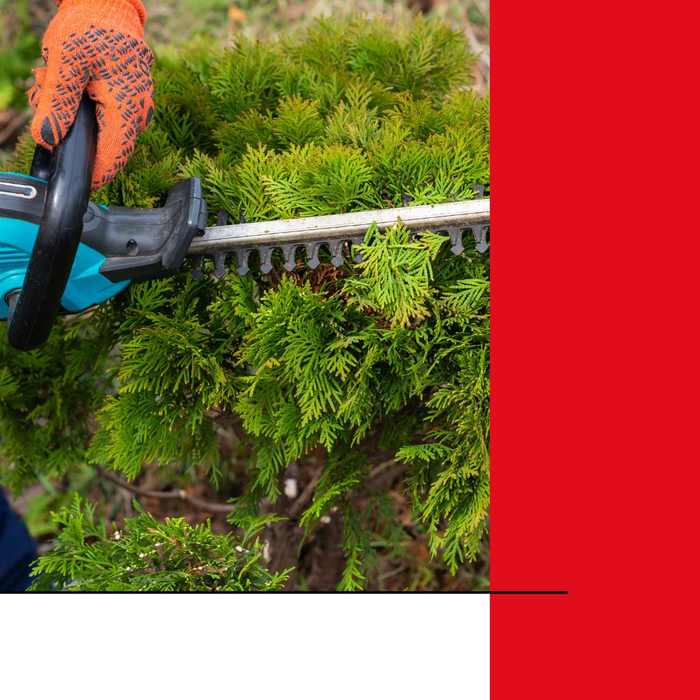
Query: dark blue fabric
{"points": [[17, 550]]}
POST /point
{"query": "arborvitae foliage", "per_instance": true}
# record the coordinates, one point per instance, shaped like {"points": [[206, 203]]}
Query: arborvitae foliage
{"points": [[350, 380], [148, 556]]}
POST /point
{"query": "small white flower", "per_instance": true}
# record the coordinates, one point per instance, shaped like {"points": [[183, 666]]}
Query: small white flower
{"points": [[325, 519], [142, 555], [116, 535], [239, 548], [199, 567], [128, 568]]}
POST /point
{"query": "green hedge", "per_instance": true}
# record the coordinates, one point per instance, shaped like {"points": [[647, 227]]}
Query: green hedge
{"points": [[356, 369]]}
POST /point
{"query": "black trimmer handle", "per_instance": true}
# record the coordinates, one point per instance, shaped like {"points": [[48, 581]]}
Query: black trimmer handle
{"points": [[34, 309]]}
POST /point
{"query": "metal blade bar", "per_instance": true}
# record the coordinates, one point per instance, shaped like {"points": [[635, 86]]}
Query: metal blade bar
{"points": [[320, 229]]}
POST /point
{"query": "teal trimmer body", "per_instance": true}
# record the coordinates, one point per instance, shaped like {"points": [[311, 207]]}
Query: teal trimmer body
{"points": [[61, 253]]}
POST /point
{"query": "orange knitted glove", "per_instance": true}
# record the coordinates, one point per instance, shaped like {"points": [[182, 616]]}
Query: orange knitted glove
{"points": [[95, 46]]}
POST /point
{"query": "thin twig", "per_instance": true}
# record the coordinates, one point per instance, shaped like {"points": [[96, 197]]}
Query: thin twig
{"points": [[380, 468], [305, 495], [388, 477], [179, 495], [220, 417]]}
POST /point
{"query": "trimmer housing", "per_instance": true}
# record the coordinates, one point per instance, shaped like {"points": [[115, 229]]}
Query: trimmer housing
{"points": [[60, 253]]}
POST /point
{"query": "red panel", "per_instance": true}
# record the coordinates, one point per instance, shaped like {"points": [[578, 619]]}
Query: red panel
{"points": [[596, 309]]}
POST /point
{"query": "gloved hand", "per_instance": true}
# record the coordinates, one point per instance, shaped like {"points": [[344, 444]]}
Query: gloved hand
{"points": [[95, 45]]}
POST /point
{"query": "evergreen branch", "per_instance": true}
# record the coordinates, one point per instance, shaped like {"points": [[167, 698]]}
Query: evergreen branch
{"points": [[179, 495]]}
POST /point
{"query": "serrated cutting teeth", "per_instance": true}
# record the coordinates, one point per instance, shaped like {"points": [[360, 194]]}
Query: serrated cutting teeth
{"points": [[312, 255], [456, 240], [242, 257], [337, 253], [265, 260], [357, 257], [289, 252], [220, 265], [333, 232], [480, 238], [197, 266]]}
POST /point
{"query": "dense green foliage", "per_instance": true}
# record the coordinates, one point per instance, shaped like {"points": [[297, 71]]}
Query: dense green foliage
{"points": [[358, 368], [19, 52], [148, 556]]}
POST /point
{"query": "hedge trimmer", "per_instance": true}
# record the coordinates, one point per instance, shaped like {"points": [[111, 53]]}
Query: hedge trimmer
{"points": [[61, 253]]}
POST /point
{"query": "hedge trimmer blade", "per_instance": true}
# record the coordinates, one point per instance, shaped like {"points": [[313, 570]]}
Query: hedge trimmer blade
{"points": [[336, 231], [60, 253]]}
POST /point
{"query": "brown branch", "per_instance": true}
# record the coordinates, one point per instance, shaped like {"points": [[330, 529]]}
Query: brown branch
{"points": [[388, 477], [378, 479], [161, 555], [221, 417], [305, 495], [179, 495]]}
